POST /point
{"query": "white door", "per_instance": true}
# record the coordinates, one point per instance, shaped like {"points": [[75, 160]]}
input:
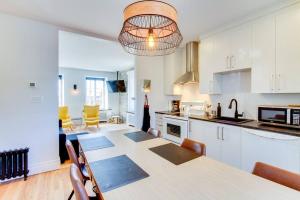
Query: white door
{"points": [[131, 91], [272, 148], [207, 133], [263, 69], [231, 145], [288, 50], [241, 47], [197, 130], [206, 66], [222, 51]]}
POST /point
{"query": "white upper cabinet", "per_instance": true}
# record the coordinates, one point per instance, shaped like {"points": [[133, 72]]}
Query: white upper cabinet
{"points": [[263, 69], [269, 46], [233, 49], [288, 50], [241, 47], [174, 67], [206, 67]]}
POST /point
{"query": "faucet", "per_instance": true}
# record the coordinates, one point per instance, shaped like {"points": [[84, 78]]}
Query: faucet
{"points": [[236, 113]]}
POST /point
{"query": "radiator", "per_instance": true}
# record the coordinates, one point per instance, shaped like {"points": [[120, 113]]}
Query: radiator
{"points": [[14, 164]]}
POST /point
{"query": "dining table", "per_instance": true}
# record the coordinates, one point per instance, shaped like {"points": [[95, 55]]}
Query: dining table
{"points": [[201, 178]]}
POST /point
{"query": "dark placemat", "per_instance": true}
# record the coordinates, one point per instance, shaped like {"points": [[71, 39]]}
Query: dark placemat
{"points": [[90, 144], [115, 172], [139, 136], [74, 136], [175, 154]]}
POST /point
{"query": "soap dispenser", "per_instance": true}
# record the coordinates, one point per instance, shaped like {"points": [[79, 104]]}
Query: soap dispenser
{"points": [[219, 110]]}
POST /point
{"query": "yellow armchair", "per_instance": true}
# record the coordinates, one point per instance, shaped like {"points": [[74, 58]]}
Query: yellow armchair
{"points": [[91, 115], [63, 115]]}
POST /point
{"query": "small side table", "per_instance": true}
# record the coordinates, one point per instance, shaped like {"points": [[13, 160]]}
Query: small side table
{"points": [[115, 119]]}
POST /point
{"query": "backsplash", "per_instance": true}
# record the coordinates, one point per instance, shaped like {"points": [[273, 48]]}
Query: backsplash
{"points": [[238, 85]]}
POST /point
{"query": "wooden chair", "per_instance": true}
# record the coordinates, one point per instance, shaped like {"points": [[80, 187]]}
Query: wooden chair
{"points": [[78, 185], [154, 132], [275, 174], [81, 166], [194, 146]]}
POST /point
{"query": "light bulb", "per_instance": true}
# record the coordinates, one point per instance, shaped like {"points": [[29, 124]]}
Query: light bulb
{"points": [[151, 41]]}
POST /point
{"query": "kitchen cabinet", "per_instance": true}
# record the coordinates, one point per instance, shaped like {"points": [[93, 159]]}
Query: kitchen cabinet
{"points": [[174, 67], [276, 52], [222, 141], [208, 83], [288, 50], [233, 49], [275, 149], [263, 69], [159, 122]]}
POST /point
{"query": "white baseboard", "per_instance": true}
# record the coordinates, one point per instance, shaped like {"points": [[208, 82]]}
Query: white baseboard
{"points": [[44, 167], [39, 168]]}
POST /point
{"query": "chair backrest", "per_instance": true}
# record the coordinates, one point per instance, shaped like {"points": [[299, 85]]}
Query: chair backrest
{"points": [[154, 132], [77, 183], [275, 174], [91, 111], [192, 145], [72, 154], [63, 112]]}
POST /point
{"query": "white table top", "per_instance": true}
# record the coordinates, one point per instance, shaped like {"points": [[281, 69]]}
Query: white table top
{"points": [[199, 179]]}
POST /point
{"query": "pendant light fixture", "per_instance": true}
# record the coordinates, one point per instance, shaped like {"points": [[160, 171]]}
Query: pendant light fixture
{"points": [[150, 29]]}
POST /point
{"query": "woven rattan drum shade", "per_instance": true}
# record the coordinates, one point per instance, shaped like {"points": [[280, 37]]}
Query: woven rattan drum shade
{"points": [[150, 29]]}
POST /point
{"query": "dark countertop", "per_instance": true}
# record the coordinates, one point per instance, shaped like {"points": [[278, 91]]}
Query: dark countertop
{"points": [[167, 112], [251, 125], [254, 125]]}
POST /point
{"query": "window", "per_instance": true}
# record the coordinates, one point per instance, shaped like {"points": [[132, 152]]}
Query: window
{"points": [[60, 90], [96, 92]]}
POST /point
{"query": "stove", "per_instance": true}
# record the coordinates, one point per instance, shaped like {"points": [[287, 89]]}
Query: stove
{"points": [[175, 127]]}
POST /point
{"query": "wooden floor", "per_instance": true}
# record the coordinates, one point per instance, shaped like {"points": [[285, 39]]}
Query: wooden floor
{"points": [[54, 185]]}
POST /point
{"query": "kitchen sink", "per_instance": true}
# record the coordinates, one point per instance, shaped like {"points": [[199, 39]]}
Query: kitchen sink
{"points": [[232, 120]]}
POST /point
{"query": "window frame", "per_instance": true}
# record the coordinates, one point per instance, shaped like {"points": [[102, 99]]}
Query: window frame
{"points": [[105, 92], [61, 90]]}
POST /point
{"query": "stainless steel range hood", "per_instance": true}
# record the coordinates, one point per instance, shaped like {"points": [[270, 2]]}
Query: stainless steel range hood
{"points": [[191, 75]]}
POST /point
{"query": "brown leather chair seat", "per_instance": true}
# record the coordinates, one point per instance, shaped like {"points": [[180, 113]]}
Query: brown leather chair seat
{"points": [[194, 146], [275, 174], [78, 185]]}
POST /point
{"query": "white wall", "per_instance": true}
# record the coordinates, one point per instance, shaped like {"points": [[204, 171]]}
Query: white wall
{"points": [[150, 68], [238, 85], [29, 53], [77, 76]]}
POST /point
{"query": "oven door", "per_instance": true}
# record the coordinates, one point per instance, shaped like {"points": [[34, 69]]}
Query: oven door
{"points": [[273, 115], [175, 129]]}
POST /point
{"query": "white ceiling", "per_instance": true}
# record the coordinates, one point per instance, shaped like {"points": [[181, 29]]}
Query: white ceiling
{"points": [[104, 17], [84, 52]]}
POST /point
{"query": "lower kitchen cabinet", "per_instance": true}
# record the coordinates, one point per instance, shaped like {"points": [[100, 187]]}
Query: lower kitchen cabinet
{"points": [[242, 148], [275, 149], [222, 141]]}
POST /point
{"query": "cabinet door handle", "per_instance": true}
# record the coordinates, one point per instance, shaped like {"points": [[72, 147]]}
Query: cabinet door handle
{"points": [[227, 62], [218, 136], [231, 58], [278, 82], [222, 133], [272, 83]]}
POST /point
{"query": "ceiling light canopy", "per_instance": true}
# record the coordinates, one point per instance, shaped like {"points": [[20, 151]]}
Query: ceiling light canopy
{"points": [[150, 29]]}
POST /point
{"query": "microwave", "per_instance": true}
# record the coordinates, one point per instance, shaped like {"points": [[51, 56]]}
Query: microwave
{"points": [[279, 116]]}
